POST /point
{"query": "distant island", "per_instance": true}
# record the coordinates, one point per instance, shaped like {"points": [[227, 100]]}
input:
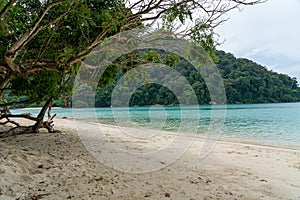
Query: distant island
{"points": [[245, 82]]}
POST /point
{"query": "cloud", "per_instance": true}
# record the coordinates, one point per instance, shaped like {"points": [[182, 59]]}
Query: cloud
{"points": [[266, 33]]}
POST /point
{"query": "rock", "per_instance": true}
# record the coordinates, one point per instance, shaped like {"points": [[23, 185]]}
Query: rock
{"points": [[167, 194], [112, 191], [208, 181], [263, 180], [148, 194]]}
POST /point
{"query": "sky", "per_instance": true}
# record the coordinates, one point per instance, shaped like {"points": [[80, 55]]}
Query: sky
{"points": [[268, 34]]}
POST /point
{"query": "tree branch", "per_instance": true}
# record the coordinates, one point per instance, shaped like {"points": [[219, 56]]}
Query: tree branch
{"points": [[13, 51], [16, 131], [251, 3], [83, 54], [6, 80], [26, 116], [32, 66], [6, 8], [25, 38]]}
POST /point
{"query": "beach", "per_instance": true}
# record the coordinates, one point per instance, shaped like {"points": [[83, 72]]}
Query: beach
{"points": [[61, 166]]}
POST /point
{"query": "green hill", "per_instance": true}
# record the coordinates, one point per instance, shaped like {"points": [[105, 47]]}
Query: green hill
{"points": [[245, 82], [248, 82]]}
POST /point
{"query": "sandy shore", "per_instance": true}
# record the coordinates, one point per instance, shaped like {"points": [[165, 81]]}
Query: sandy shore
{"points": [[59, 166]]}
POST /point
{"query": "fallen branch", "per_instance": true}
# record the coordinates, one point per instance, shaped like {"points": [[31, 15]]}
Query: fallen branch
{"points": [[9, 121], [39, 122], [25, 115]]}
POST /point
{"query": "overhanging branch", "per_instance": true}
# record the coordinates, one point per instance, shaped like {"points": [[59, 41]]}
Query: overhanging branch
{"points": [[37, 26], [32, 66], [85, 52], [6, 8]]}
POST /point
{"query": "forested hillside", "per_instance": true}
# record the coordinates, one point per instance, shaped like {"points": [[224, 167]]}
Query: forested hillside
{"points": [[245, 82], [248, 82]]}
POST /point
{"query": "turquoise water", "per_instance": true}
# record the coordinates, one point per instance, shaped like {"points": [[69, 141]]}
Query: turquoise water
{"points": [[272, 124]]}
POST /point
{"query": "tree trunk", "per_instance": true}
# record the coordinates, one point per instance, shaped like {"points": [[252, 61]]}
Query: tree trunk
{"points": [[40, 117], [64, 100]]}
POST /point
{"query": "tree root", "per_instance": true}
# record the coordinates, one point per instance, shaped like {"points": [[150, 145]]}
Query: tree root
{"points": [[39, 123]]}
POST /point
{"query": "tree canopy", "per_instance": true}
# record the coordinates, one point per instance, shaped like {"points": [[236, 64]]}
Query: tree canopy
{"points": [[43, 42]]}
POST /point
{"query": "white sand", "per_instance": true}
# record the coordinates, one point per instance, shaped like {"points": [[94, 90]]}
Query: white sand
{"points": [[58, 166]]}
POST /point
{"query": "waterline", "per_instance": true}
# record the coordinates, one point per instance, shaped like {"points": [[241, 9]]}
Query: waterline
{"points": [[271, 124]]}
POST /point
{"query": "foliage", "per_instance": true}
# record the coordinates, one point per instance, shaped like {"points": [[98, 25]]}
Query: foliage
{"points": [[42, 41], [244, 80], [248, 82]]}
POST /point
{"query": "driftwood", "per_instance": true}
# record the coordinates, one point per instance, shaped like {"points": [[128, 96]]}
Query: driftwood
{"points": [[39, 122]]}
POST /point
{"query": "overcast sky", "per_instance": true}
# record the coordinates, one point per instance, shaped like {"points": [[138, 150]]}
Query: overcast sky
{"points": [[268, 34]]}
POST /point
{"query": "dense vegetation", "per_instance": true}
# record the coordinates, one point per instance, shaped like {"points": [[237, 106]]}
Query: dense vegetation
{"points": [[43, 43], [248, 82], [245, 82]]}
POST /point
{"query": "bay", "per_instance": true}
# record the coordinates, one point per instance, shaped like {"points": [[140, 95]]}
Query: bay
{"points": [[270, 124]]}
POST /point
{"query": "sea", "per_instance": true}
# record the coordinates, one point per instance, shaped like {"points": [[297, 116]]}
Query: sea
{"points": [[274, 124]]}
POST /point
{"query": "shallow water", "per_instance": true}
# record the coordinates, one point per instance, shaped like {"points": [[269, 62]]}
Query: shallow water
{"points": [[271, 124]]}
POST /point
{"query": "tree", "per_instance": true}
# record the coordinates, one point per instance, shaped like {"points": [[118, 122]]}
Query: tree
{"points": [[244, 80], [44, 42]]}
